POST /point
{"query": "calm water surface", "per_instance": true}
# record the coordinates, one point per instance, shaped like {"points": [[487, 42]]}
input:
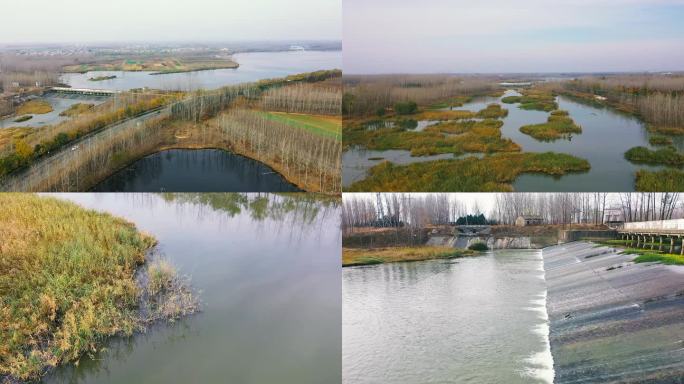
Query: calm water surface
{"points": [[267, 269], [190, 170], [474, 320], [253, 66]]}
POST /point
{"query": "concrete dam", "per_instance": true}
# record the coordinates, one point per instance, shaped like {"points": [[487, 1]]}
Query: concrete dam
{"points": [[612, 320]]}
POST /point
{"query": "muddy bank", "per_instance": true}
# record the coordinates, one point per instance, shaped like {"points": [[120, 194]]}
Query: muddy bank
{"points": [[611, 320]]}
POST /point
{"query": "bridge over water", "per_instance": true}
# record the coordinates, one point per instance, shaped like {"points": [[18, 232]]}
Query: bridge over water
{"points": [[655, 234], [83, 91]]}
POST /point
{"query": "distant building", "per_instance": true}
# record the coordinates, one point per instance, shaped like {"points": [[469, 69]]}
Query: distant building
{"points": [[527, 220], [614, 217]]}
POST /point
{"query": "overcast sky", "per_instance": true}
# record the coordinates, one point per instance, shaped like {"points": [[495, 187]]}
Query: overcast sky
{"points": [[451, 36], [78, 21]]}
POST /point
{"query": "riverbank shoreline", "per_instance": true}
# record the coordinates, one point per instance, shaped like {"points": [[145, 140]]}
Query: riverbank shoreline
{"points": [[122, 286], [354, 257]]}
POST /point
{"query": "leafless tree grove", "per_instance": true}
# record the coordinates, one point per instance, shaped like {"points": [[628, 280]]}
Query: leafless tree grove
{"points": [[419, 210], [304, 98], [368, 93], [315, 158]]}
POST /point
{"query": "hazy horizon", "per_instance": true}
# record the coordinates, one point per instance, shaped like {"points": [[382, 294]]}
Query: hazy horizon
{"points": [[210, 21], [523, 37]]}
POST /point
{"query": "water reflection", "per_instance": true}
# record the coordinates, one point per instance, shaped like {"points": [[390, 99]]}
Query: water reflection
{"points": [[267, 267], [196, 170]]}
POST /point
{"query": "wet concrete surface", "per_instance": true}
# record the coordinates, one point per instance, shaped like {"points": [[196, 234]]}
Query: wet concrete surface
{"points": [[612, 320]]}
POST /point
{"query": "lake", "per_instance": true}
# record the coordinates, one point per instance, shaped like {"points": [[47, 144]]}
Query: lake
{"points": [[254, 66], [196, 170], [472, 320], [267, 271]]}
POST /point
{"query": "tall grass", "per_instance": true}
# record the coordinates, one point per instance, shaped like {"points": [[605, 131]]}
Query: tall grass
{"points": [[66, 281]]}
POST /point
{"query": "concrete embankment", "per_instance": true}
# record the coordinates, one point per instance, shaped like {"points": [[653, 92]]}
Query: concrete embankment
{"points": [[611, 320]]}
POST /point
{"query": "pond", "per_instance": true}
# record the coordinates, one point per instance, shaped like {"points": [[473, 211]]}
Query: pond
{"points": [[196, 170], [59, 104], [472, 320], [254, 66], [267, 270]]}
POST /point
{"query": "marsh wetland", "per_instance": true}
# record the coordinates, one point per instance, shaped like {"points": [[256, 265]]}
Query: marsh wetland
{"points": [[584, 141]]}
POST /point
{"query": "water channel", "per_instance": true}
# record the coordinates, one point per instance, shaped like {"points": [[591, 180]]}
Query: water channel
{"points": [[471, 320]]}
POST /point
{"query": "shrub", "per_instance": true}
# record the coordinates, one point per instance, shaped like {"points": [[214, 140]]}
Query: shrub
{"points": [[405, 107], [478, 246]]}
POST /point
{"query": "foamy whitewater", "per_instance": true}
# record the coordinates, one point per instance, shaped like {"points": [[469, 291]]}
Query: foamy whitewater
{"points": [[539, 365]]}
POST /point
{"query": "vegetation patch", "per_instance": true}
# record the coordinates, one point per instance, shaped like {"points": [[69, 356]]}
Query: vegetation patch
{"points": [[453, 102], [478, 246], [559, 125], [330, 126], [67, 281], [21, 119], [77, 109], [456, 114], [667, 180], [34, 107], [492, 173], [362, 256], [405, 107], [659, 140], [666, 130], [664, 156], [102, 78], [157, 65], [493, 111], [474, 136], [534, 99]]}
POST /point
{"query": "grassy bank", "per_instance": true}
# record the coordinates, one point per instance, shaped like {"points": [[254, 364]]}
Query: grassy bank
{"points": [[77, 109], [34, 107], [559, 125], [492, 173], [534, 99], [664, 156], [667, 180], [360, 256], [21, 119], [158, 65], [463, 136], [67, 282], [646, 255]]}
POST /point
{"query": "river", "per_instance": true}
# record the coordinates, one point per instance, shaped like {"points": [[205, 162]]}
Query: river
{"points": [[196, 170], [471, 320], [254, 66], [606, 136], [267, 269]]}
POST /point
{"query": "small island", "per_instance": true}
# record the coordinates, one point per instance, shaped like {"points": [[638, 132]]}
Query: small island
{"points": [[102, 78]]}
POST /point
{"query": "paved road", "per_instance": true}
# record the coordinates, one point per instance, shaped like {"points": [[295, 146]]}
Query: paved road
{"points": [[19, 182]]}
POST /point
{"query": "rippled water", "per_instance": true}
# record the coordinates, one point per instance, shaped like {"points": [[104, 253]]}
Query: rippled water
{"points": [[267, 268], [472, 320], [254, 66], [191, 170]]}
